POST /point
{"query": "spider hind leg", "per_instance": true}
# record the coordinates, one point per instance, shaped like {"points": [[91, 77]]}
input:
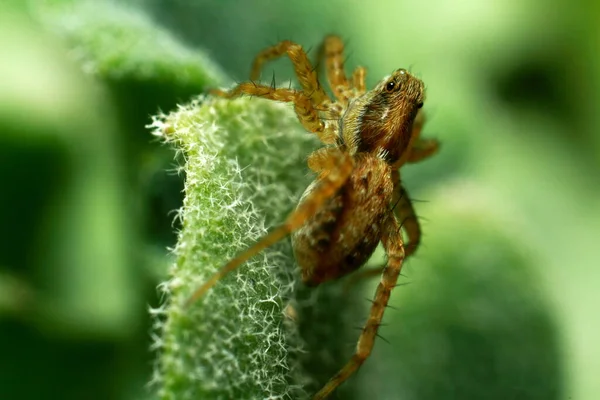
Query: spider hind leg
{"points": [[392, 242]]}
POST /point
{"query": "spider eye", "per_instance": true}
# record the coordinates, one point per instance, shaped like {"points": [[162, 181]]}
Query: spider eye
{"points": [[390, 86]]}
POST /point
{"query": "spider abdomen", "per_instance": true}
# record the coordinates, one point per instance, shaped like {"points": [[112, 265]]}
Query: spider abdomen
{"points": [[344, 233]]}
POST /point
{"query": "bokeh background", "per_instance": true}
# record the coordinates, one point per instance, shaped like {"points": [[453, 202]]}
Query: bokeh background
{"points": [[512, 213]]}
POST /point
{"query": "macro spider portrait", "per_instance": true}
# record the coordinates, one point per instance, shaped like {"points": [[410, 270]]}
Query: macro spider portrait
{"points": [[357, 199]]}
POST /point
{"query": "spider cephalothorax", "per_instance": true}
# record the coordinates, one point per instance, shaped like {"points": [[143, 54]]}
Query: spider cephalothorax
{"points": [[382, 119]]}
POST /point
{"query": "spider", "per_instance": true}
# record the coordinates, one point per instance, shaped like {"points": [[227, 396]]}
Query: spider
{"points": [[357, 199]]}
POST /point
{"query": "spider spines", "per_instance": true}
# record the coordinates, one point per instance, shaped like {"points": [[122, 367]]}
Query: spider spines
{"points": [[396, 205], [315, 68], [346, 41], [372, 301], [348, 56], [273, 85], [406, 219], [413, 200], [382, 338]]}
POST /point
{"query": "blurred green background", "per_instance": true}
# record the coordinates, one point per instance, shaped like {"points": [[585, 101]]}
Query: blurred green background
{"points": [[513, 211]]}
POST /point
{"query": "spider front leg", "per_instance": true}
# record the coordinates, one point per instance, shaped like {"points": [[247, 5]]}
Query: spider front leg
{"points": [[422, 149], [333, 49], [307, 76], [359, 77], [392, 242], [306, 112], [418, 148], [337, 169]]}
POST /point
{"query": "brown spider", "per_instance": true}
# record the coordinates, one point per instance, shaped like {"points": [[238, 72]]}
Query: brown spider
{"points": [[357, 199]]}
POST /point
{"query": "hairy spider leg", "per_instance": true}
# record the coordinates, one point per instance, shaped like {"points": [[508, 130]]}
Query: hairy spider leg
{"points": [[307, 114], [337, 169], [332, 50], [359, 77], [422, 149], [405, 212], [307, 76], [319, 160], [392, 243]]}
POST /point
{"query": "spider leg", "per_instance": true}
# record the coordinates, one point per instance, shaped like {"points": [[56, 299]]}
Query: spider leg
{"points": [[307, 75], [422, 149], [339, 166], [320, 159], [333, 51], [307, 114], [392, 242], [405, 214], [359, 77]]}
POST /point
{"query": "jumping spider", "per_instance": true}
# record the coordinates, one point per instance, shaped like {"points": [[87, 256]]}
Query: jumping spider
{"points": [[357, 199]]}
